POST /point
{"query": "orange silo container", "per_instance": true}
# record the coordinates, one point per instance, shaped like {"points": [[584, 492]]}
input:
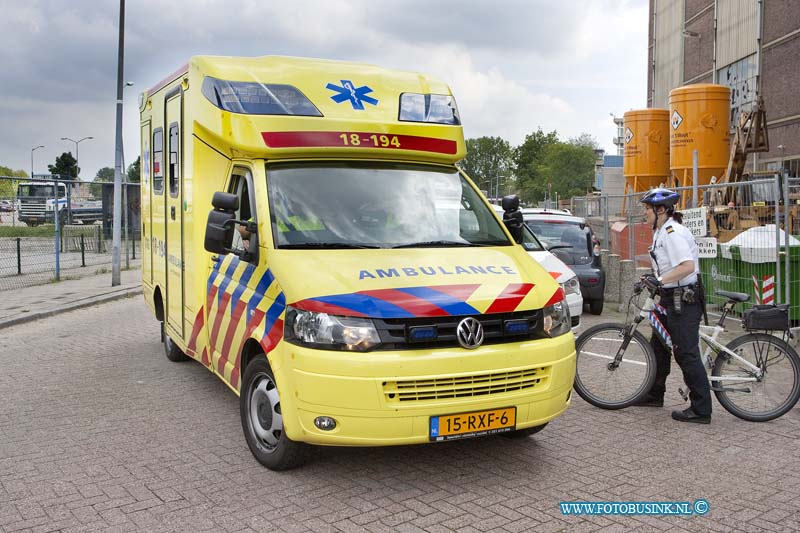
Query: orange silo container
{"points": [[646, 161], [699, 120]]}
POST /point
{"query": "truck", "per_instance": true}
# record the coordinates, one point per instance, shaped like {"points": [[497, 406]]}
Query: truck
{"points": [[38, 202], [294, 245]]}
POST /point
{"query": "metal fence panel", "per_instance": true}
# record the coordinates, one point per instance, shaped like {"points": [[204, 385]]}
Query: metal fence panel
{"points": [[53, 229], [744, 248]]}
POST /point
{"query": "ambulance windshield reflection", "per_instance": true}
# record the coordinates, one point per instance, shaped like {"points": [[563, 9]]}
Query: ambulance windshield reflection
{"points": [[377, 205]]}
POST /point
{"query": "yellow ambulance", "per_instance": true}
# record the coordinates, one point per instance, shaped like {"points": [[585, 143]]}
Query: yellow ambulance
{"points": [[308, 238]]}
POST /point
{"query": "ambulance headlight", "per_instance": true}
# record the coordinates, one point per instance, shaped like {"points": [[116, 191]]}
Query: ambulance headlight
{"points": [[556, 320], [330, 332], [432, 108]]}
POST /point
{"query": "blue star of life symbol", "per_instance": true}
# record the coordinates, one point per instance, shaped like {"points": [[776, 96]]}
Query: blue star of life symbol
{"points": [[356, 95]]}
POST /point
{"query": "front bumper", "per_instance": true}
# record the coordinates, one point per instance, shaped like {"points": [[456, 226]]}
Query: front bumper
{"points": [[387, 398]]}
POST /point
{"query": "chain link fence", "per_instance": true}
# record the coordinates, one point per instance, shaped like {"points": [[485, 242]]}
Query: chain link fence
{"points": [[53, 229], [748, 234]]}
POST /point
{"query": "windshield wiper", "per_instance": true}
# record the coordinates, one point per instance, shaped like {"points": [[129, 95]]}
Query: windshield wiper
{"points": [[325, 245], [435, 244]]}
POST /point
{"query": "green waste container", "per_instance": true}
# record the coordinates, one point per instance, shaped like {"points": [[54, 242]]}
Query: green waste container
{"points": [[735, 274]]}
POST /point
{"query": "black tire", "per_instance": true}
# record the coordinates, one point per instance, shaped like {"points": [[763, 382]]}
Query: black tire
{"points": [[259, 403], [769, 397], [623, 386], [171, 349], [596, 307], [524, 433]]}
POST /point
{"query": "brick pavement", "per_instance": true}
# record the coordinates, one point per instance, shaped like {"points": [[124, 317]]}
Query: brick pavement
{"points": [[98, 431]]}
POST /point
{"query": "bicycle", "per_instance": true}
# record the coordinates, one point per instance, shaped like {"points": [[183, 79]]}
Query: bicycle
{"points": [[755, 377]]}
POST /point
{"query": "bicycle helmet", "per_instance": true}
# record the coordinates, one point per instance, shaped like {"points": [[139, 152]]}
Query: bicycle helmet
{"points": [[660, 196]]}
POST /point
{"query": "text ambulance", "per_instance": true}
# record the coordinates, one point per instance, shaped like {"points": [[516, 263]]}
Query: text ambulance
{"points": [[308, 238]]}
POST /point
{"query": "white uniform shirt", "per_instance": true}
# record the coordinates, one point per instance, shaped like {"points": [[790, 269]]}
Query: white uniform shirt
{"points": [[672, 245]]}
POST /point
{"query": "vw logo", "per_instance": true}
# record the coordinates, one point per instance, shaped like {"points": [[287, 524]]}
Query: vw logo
{"points": [[470, 333]]}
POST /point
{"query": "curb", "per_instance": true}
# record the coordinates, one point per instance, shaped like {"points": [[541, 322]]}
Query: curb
{"points": [[88, 302]]}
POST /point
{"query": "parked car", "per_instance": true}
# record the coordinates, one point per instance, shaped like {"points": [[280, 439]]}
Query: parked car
{"points": [[563, 274], [571, 239], [6, 205]]}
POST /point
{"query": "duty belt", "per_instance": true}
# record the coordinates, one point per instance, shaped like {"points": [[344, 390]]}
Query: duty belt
{"points": [[667, 291]]}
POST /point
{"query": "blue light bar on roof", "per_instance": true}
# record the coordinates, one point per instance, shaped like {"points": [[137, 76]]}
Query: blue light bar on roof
{"points": [[431, 108], [254, 98]]}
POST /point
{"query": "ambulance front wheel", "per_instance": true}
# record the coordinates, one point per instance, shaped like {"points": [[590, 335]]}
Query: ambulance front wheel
{"points": [[171, 349], [262, 419]]}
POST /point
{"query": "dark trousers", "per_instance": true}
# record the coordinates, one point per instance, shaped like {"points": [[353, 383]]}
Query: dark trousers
{"points": [[684, 330]]}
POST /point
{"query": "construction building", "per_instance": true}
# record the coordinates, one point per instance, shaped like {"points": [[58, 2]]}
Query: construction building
{"points": [[751, 46]]}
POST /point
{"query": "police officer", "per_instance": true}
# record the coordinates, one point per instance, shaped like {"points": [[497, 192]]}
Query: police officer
{"points": [[676, 267]]}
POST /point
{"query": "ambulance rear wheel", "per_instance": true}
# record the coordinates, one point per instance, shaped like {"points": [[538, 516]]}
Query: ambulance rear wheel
{"points": [[262, 419], [171, 349]]}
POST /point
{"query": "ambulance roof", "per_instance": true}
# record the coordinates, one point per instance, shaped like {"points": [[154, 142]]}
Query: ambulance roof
{"points": [[315, 78], [282, 107]]}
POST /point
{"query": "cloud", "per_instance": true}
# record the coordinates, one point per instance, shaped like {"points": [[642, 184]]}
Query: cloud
{"points": [[514, 65]]}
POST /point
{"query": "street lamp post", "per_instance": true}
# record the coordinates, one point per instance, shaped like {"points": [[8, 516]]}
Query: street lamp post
{"points": [[125, 227], [116, 230], [33, 150], [77, 160], [15, 213]]}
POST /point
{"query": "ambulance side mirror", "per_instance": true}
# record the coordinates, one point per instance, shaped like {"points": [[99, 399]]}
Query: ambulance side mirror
{"points": [[219, 227], [512, 217]]}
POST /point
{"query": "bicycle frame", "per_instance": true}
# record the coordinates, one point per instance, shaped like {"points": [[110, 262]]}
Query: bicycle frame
{"points": [[708, 335], [717, 348]]}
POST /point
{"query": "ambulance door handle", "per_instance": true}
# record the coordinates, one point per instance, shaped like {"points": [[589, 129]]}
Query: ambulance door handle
{"points": [[172, 212]]}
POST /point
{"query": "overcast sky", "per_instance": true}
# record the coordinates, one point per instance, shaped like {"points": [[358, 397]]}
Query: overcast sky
{"points": [[513, 65]]}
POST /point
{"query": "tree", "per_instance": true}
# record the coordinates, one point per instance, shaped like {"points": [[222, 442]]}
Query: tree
{"points": [[66, 166], [7, 186], [104, 175], [528, 158], [134, 171], [566, 169], [488, 163], [585, 139]]}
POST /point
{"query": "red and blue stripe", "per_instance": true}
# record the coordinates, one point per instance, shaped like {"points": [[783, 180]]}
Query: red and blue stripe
{"points": [[409, 302]]}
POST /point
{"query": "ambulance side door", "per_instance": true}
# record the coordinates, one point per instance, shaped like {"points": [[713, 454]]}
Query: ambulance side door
{"points": [[234, 280], [157, 230], [146, 217], [174, 211]]}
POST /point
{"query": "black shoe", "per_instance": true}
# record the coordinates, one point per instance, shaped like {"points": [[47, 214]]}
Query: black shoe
{"points": [[650, 401], [688, 415]]}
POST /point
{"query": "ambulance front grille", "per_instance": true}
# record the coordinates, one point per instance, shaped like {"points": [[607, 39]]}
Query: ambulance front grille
{"points": [[394, 331], [444, 388]]}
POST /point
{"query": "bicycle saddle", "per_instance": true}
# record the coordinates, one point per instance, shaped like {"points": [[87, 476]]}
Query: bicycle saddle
{"points": [[735, 296]]}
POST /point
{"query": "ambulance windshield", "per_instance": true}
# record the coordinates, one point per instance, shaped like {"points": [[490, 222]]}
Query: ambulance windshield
{"points": [[377, 205]]}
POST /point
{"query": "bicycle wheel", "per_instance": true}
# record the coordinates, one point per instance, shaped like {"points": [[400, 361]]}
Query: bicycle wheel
{"points": [[767, 398], [613, 388]]}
